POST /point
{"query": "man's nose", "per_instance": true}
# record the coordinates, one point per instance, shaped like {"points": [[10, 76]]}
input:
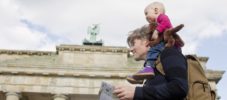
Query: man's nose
{"points": [[131, 49]]}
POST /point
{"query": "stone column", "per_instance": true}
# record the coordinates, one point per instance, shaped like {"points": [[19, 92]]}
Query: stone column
{"points": [[12, 96], [60, 97]]}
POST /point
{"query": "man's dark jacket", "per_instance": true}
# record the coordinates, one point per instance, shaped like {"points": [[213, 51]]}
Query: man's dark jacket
{"points": [[172, 86]]}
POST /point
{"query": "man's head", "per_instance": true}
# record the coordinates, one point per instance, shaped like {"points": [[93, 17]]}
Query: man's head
{"points": [[138, 42], [153, 10]]}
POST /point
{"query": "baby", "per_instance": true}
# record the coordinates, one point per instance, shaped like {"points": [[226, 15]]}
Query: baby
{"points": [[155, 15]]}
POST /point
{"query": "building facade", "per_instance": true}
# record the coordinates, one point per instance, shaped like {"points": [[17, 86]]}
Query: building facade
{"points": [[73, 72]]}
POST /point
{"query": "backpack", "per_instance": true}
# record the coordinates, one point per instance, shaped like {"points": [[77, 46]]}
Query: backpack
{"points": [[199, 88]]}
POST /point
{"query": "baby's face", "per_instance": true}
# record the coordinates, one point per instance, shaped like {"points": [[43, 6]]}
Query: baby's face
{"points": [[150, 15]]}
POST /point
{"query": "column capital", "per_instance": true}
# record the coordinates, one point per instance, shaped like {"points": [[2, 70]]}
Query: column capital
{"points": [[14, 94], [60, 97]]}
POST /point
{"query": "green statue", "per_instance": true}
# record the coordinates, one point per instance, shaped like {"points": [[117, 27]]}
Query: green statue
{"points": [[93, 31]]}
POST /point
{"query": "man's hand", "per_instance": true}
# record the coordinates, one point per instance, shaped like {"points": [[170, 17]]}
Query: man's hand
{"points": [[124, 92]]}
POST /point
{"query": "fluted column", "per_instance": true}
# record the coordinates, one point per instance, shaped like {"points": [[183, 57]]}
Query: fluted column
{"points": [[60, 97], [12, 96]]}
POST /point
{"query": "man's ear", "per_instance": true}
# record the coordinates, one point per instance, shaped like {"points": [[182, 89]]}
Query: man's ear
{"points": [[147, 43]]}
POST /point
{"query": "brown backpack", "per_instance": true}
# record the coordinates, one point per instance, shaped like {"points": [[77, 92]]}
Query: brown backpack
{"points": [[199, 88]]}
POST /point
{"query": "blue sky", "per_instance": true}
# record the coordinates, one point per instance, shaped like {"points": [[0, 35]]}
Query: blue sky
{"points": [[43, 24]]}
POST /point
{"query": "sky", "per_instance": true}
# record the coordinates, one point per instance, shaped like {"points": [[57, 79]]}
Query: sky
{"points": [[44, 24]]}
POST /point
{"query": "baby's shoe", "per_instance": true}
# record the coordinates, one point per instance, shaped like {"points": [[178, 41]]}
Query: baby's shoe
{"points": [[145, 73], [131, 80]]}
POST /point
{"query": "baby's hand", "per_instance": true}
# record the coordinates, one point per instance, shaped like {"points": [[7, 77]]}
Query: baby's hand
{"points": [[155, 35], [153, 42]]}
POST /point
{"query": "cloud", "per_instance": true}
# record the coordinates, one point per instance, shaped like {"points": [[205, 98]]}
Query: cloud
{"points": [[14, 33], [56, 21], [203, 20], [43, 24]]}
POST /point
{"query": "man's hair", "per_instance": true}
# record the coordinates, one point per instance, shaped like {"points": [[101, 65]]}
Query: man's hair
{"points": [[158, 5], [139, 33]]}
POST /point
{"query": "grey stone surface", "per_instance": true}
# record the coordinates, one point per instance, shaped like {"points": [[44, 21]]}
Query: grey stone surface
{"points": [[73, 70]]}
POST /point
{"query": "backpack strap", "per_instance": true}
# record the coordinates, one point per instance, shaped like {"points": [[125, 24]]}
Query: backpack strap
{"points": [[213, 94], [193, 57], [158, 66]]}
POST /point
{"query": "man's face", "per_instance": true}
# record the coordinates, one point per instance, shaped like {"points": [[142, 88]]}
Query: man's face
{"points": [[139, 48]]}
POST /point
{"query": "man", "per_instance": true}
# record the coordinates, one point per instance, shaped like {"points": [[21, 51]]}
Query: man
{"points": [[172, 86]]}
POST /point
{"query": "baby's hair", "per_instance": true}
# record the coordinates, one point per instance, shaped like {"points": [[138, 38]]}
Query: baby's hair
{"points": [[158, 5]]}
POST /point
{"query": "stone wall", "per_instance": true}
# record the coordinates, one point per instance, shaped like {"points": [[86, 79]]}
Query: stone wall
{"points": [[73, 72]]}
